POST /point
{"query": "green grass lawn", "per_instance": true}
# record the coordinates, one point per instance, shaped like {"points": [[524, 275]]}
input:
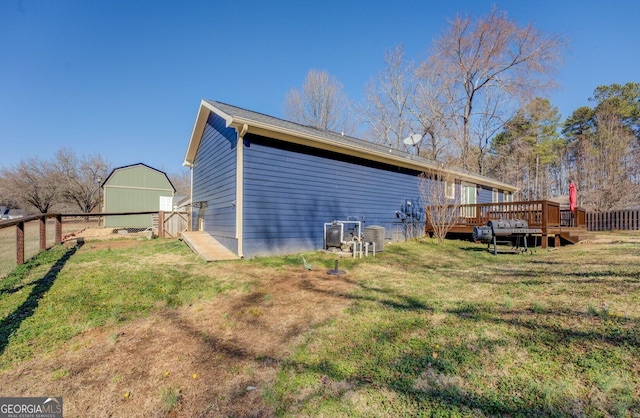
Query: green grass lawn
{"points": [[456, 331], [31, 244], [60, 294], [428, 330]]}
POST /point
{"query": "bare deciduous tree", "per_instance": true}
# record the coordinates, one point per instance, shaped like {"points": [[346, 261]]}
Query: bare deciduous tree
{"points": [[387, 99], [320, 103], [181, 180], [61, 181], [80, 178], [429, 107], [442, 200], [398, 103], [32, 184], [488, 66]]}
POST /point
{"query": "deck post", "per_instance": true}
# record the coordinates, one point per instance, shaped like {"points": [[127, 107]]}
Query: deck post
{"points": [[545, 224]]}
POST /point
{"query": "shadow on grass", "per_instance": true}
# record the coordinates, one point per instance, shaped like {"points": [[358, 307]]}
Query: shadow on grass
{"points": [[477, 249], [422, 381], [12, 322], [430, 381], [385, 297], [434, 381], [545, 325]]}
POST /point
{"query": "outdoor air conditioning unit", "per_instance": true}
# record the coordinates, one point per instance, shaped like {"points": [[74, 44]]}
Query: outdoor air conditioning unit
{"points": [[375, 233]]}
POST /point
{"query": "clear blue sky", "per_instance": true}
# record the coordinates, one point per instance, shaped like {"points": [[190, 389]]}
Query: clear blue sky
{"points": [[124, 78]]}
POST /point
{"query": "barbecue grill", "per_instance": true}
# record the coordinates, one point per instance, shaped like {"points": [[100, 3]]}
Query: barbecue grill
{"points": [[512, 232]]}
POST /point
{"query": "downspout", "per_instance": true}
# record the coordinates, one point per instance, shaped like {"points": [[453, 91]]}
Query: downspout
{"points": [[240, 187]]}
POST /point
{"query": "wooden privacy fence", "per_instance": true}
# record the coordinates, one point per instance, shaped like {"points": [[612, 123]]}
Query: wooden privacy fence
{"points": [[625, 220], [173, 223]]}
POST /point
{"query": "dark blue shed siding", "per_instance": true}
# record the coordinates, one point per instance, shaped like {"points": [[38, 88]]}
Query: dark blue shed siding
{"points": [[289, 193], [214, 182]]}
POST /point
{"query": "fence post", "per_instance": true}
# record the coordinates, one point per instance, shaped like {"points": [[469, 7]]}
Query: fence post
{"points": [[20, 243], [160, 224], [43, 233], [58, 238]]}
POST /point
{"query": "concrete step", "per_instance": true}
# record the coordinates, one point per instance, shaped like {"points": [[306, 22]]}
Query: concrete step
{"points": [[207, 247]]}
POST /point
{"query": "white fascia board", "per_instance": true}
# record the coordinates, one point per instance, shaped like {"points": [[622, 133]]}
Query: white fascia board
{"points": [[204, 111], [196, 134]]}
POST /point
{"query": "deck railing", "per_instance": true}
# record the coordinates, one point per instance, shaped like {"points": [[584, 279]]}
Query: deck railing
{"points": [[543, 214]]}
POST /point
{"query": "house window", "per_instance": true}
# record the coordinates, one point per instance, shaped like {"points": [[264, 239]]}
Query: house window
{"points": [[495, 196], [468, 196], [508, 197], [450, 190]]}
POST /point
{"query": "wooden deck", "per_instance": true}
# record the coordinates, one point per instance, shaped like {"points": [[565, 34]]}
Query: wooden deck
{"points": [[207, 247], [559, 225]]}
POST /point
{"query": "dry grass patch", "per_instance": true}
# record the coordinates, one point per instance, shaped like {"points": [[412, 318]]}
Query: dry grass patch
{"points": [[215, 357]]}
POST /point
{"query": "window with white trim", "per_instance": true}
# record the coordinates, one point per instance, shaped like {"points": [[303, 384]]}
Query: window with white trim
{"points": [[450, 189]]}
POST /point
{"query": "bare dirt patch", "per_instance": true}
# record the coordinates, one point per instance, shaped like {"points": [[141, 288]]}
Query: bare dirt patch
{"points": [[92, 233], [220, 355]]}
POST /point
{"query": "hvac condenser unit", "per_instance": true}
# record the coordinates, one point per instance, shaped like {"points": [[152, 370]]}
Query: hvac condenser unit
{"points": [[375, 233]]}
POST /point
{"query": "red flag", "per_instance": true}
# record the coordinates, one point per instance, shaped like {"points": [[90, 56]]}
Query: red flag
{"points": [[573, 197]]}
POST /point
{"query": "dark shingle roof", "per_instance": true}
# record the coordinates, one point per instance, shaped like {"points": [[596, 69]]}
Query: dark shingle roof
{"points": [[240, 115], [310, 130]]}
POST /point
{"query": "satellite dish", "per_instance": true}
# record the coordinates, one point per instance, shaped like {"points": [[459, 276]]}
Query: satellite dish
{"points": [[412, 139]]}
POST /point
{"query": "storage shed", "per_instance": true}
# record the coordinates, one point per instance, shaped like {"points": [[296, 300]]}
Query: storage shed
{"points": [[134, 188], [263, 185]]}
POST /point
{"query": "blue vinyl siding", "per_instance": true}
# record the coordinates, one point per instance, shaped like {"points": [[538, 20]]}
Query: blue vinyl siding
{"points": [[214, 182], [289, 193], [484, 194]]}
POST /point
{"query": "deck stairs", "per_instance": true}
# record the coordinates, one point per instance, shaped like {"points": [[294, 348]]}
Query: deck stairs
{"points": [[207, 247], [575, 235]]}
